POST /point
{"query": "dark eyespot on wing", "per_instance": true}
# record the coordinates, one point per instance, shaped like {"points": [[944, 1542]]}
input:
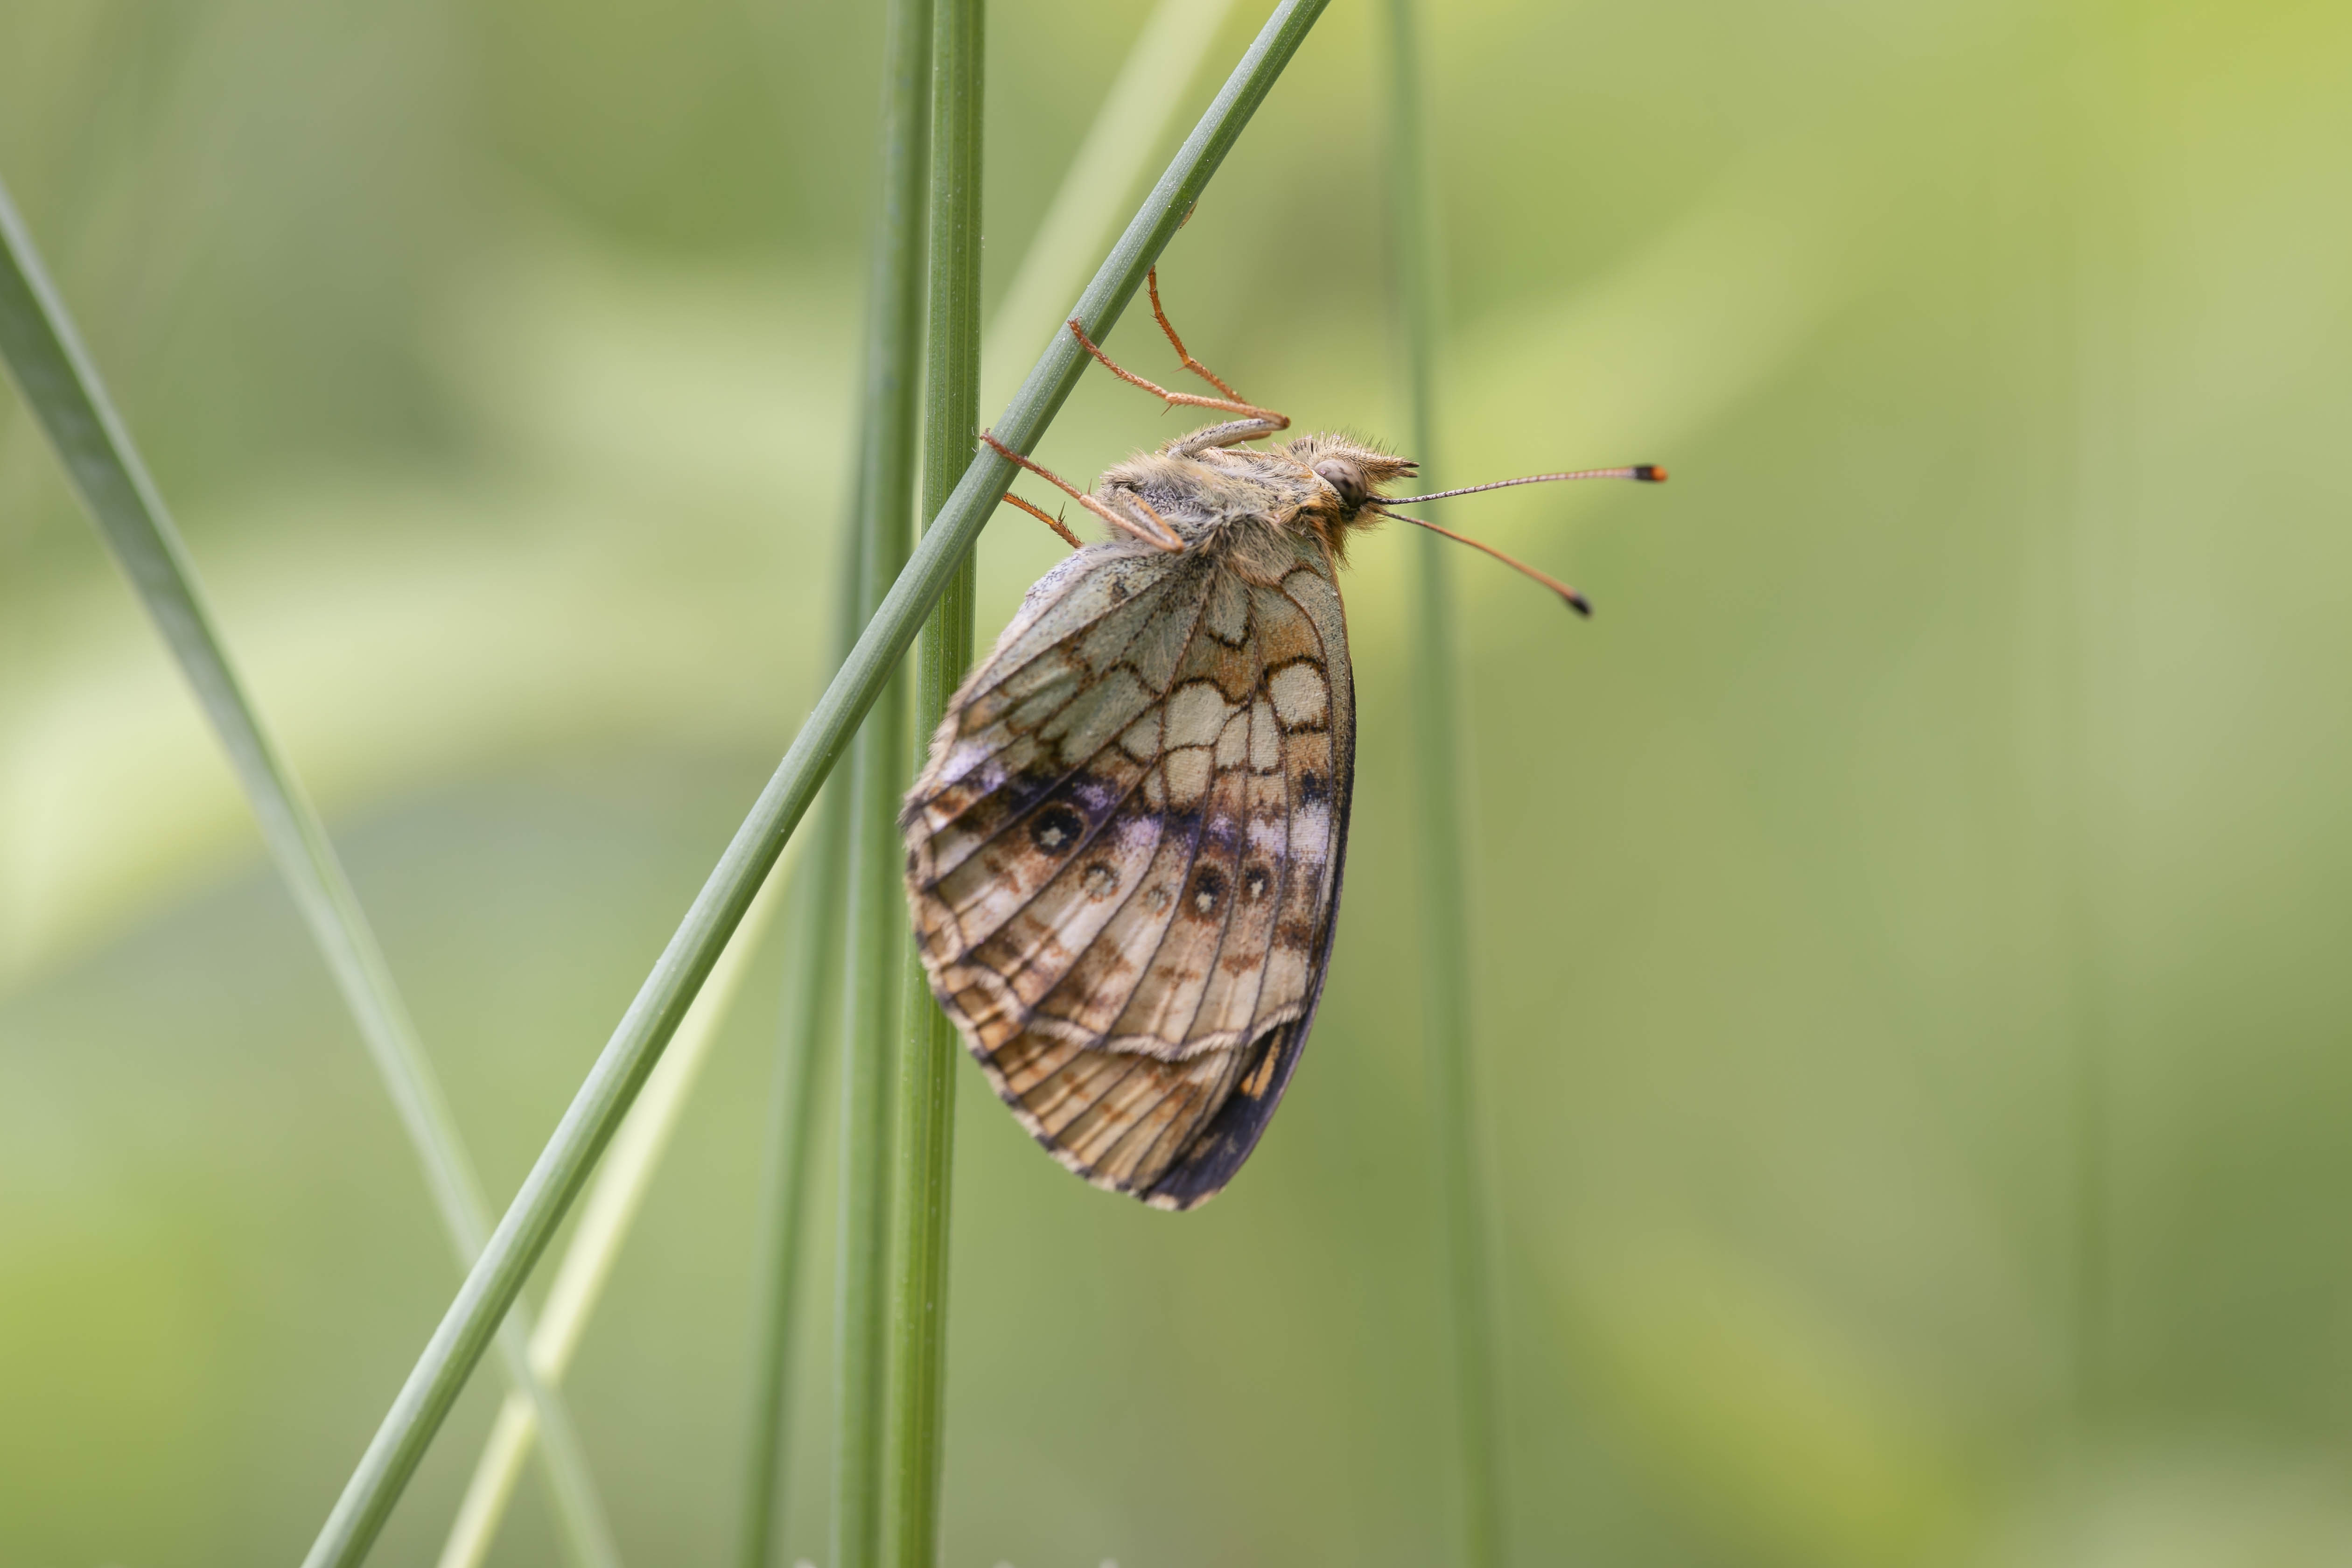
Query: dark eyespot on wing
{"points": [[1056, 830]]}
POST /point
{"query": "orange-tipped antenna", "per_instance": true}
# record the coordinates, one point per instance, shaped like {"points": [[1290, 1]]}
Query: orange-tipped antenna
{"points": [[1576, 601], [1648, 473]]}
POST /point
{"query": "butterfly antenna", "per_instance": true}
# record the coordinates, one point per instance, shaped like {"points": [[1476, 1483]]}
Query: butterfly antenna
{"points": [[1576, 601], [1647, 473]]}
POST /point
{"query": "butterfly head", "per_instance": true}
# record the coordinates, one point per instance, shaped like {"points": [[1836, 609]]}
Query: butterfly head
{"points": [[1349, 496], [1350, 475]]}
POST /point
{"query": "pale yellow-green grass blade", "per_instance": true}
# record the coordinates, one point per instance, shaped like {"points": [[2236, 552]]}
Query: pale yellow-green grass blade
{"points": [[1135, 113], [611, 1206]]}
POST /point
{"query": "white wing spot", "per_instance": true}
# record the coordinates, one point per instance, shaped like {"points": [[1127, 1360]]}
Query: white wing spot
{"points": [[1142, 738], [1299, 694], [1310, 831], [1188, 776], [1196, 714]]}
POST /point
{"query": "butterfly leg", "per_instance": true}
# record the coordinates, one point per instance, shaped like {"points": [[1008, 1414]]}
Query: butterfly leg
{"points": [[1151, 283], [1151, 528], [1054, 523], [1231, 433], [1230, 405]]}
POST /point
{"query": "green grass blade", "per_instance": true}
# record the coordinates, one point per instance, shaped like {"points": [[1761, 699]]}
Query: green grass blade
{"points": [[60, 384], [467, 1328], [1444, 902], [923, 1135], [605, 1221], [873, 916]]}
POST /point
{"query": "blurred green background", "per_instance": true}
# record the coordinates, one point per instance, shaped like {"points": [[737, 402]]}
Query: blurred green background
{"points": [[1911, 917]]}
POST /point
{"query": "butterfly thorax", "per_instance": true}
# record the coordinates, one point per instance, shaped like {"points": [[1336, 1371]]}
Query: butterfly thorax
{"points": [[1251, 507]]}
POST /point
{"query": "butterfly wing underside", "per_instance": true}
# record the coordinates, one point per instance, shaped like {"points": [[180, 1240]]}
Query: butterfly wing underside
{"points": [[1124, 857]]}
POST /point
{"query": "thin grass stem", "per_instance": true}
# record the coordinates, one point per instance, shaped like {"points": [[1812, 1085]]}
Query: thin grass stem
{"points": [[1439, 837], [605, 1221], [875, 916], [812, 960], [60, 382], [923, 1137], [471, 1320]]}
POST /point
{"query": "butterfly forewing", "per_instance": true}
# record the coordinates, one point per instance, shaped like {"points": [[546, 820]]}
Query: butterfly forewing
{"points": [[1124, 857]]}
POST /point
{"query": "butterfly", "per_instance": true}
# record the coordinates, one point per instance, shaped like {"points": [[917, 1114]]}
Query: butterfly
{"points": [[1124, 853]]}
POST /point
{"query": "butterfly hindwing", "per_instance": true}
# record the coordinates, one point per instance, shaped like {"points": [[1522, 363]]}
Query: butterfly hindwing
{"points": [[1320, 764], [1124, 857]]}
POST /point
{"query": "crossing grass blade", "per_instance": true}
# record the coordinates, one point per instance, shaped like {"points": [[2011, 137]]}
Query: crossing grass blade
{"points": [[923, 1132], [60, 382], [471, 1320], [1444, 902]]}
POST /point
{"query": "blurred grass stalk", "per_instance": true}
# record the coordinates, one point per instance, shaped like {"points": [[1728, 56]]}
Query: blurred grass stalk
{"points": [[2107, 109], [60, 382], [1439, 739], [449, 1356], [923, 1135], [605, 1221], [885, 487], [1160, 64]]}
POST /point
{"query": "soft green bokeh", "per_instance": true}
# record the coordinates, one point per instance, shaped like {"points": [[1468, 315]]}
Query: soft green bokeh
{"points": [[1940, 822]]}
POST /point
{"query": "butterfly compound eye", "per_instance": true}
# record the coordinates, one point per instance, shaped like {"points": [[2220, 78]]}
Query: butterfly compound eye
{"points": [[1345, 478]]}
